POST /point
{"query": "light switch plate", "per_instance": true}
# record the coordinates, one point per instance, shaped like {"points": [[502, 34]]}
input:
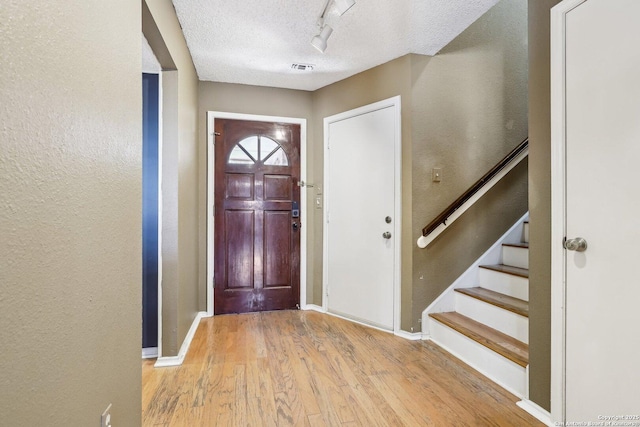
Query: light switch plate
{"points": [[436, 174]]}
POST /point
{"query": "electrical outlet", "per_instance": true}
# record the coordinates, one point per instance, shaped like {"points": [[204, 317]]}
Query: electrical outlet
{"points": [[106, 417]]}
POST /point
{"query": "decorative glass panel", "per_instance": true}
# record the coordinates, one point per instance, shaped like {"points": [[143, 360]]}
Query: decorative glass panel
{"points": [[253, 149], [238, 156], [267, 146], [251, 146], [279, 158]]}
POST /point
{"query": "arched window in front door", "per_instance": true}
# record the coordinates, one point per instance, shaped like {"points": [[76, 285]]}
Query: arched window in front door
{"points": [[258, 149]]}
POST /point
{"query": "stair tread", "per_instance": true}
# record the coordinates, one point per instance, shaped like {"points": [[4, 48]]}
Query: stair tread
{"points": [[514, 305], [523, 245], [503, 344], [516, 271]]}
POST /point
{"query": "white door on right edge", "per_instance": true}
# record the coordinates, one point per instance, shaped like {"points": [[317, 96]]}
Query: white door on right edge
{"points": [[603, 207]]}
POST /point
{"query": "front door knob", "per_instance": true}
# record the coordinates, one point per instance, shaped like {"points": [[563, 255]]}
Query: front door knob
{"points": [[578, 244], [386, 235]]}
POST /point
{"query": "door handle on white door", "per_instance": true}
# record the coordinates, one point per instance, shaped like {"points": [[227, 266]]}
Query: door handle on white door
{"points": [[578, 244], [386, 235]]}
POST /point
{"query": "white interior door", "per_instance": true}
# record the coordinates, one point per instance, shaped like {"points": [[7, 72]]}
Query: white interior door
{"points": [[360, 207], [602, 201]]}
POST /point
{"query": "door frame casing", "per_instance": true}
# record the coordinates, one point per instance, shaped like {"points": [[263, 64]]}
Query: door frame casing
{"points": [[211, 117], [395, 103], [558, 206]]}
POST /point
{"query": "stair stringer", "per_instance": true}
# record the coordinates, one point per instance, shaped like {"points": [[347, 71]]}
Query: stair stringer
{"points": [[470, 278]]}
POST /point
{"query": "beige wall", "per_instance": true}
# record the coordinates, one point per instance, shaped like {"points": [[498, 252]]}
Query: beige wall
{"points": [[540, 203], [469, 110], [70, 215], [180, 281], [258, 100]]}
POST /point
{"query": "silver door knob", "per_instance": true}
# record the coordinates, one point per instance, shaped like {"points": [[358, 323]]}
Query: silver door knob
{"points": [[386, 235], [578, 244]]}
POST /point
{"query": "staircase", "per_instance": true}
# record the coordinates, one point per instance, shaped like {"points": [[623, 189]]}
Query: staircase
{"points": [[483, 318]]}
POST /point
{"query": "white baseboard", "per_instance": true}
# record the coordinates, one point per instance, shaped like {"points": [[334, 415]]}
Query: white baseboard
{"points": [[168, 361], [411, 336], [535, 410], [314, 307], [150, 352], [163, 362], [359, 322]]}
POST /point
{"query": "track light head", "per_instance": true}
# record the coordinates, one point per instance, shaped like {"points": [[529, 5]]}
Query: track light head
{"points": [[320, 41], [338, 6]]}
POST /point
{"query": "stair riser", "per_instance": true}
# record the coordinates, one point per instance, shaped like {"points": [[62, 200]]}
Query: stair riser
{"points": [[498, 318], [497, 368], [525, 233], [515, 257], [508, 284]]}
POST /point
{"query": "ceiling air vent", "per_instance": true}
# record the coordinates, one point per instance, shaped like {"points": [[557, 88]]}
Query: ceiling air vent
{"points": [[306, 68]]}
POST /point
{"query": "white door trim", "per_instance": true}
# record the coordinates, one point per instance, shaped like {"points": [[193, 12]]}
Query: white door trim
{"points": [[211, 117], [160, 145], [395, 103], [558, 207]]}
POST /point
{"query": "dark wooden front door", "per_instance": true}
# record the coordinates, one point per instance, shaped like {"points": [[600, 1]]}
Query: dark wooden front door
{"points": [[257, 224]]}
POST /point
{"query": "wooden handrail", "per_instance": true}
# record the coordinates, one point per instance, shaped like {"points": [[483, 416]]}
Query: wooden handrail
{"points": [[442, 218]]}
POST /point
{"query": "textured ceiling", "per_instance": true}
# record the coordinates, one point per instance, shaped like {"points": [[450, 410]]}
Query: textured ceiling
{"points": [[256, 41]]}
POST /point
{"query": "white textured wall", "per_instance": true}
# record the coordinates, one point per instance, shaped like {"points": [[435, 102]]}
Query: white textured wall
{"points": [[70, 212]]}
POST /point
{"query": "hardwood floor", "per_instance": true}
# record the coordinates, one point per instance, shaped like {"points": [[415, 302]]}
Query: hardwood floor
{"points": [[311, 369]]}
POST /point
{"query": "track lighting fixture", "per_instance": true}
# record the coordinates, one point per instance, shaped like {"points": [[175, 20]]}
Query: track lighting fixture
{"points": [[320, 41], [340, 7]]}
